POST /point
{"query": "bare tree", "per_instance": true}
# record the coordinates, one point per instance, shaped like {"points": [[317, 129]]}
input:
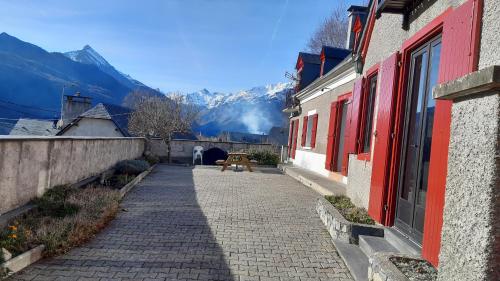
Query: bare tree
{"points": [[332, 32], [162, 117]]}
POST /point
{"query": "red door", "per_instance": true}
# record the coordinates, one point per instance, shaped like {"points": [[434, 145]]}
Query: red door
{"points": [[331, 137], [295, 133]]}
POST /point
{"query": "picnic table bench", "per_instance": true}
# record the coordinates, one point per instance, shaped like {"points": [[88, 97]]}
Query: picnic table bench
{"points": [[235, 159]]}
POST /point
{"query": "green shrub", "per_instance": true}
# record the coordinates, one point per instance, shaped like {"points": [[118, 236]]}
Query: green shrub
{"points": [[151, 158], [350, 212], [53, 202], [131, 167], [265, 157]]}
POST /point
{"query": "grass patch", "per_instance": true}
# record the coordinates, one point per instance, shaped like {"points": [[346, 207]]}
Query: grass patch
{"points": [[350, 212], [64, 218]]}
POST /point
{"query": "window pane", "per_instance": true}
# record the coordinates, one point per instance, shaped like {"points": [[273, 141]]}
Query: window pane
{"points": [[414, 122], [370, 103], [429, 122]]}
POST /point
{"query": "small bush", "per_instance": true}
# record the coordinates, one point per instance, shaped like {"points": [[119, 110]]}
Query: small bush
{"points": [[264, 157], [151, 158], [350, 212], [53, 202], [131, 167]]}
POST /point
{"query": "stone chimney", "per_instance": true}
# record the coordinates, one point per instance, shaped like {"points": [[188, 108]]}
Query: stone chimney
{"points": [[356, 21], [73, 106]]}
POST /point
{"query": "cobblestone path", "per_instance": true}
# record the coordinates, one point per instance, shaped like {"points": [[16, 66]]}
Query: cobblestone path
{"points": [[201, 224]]}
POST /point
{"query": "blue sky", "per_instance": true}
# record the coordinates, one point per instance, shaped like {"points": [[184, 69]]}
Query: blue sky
{"points": [[186, 45]]}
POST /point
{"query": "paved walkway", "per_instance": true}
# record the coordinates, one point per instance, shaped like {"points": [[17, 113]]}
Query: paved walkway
{"points": [[201, 224]]}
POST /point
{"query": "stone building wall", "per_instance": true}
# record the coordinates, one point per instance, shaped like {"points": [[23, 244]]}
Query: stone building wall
{"points": [[470, 238]]}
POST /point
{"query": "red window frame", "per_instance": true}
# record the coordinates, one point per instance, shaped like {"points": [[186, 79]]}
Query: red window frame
{"points": [[370, 74], [304, 131]]}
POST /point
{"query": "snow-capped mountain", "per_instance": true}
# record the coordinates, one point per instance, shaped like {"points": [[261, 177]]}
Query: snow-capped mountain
{"points": [[252, 111], [87, 55]]}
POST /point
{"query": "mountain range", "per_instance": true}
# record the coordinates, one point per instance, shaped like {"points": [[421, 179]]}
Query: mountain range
{"points": [[33, 80], [253, 111]]}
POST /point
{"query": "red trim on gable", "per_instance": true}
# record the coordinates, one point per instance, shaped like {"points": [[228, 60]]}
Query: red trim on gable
{"points": [[299, 64], [358, 26], [369, 30]]}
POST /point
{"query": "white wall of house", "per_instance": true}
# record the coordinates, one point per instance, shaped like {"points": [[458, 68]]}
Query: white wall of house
{"points": [[91, 127], [312, 161]]}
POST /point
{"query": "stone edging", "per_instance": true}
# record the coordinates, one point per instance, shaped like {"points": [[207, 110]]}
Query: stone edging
{"points": [[23, 260], [342, 229], [124, 190], [382, 269]]}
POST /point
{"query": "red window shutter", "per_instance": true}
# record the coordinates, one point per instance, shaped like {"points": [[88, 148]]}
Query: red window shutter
{"points": [[382, 144], [295, 133], [352, 125], [290, 136], [459, 56], [304, 131], [331, 136], [314, 129]]}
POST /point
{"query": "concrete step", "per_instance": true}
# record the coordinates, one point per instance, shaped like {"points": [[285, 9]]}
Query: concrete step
{"points": [[371, 244], [355, 260], [401, 243]]}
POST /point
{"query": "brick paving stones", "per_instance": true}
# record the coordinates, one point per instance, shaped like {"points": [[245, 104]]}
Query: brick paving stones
{"points": [[200, 224]]}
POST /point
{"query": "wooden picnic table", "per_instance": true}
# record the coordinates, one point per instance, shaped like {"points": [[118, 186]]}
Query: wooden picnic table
{"points": [[237, 159]]}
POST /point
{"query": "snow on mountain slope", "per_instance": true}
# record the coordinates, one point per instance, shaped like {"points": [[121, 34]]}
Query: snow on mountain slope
{"points": [[88, 55], [252, 111]]}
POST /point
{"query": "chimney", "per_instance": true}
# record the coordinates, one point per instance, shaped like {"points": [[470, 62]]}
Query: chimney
{"points": [[356, 21], [74, 106]]}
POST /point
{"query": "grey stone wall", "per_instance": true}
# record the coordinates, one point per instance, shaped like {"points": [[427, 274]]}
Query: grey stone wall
{"points": [[470, 245], [358, 181], [29, 166], [490, 37]]}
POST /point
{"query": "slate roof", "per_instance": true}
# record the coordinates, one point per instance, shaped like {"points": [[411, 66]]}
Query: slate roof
{"points": [[310, 58], [338, 53], [34, 127], [118, 114]]}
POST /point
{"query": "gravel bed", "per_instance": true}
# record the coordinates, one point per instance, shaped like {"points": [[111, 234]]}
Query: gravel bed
{"points": [[415, 270]]}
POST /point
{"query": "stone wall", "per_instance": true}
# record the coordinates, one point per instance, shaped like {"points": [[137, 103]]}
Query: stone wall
{"points": [[358, 181], [470, 238], [182, 150], [31, 165]]}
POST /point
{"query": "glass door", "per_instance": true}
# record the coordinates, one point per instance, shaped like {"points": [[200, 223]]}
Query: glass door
{"points": [[417, 139]]}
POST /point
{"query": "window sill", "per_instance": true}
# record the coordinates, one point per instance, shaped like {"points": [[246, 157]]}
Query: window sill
{"points": [[364, 156]]}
